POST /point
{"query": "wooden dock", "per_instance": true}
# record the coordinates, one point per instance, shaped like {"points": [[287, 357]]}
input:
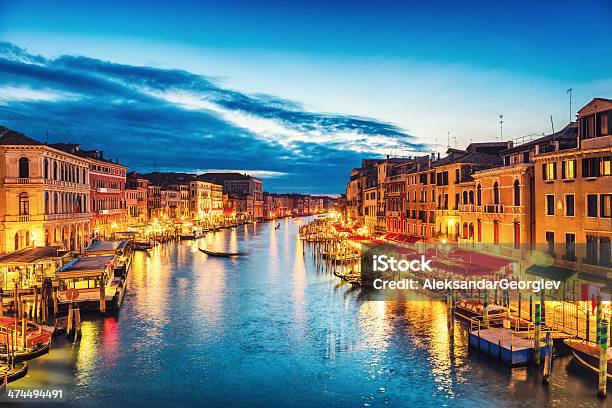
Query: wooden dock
{"points": [[512, 348]]}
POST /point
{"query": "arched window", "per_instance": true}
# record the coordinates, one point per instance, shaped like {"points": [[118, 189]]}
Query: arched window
{"points": [[478, 195], [471, 196], [46, 202], [465, 197], [496, 193], [517, 193], [54, 170], [24, 204], [55, 204], [24, 167], [16, 241], [46, 168]]}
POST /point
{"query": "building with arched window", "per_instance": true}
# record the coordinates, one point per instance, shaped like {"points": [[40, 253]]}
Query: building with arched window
{"points": [[40, 194]]}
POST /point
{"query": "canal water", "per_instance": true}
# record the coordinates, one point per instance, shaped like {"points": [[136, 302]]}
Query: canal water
{"points": [[269, 329]]}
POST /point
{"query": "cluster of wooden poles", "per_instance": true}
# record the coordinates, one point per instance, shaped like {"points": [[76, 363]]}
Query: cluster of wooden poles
{"points": [[331, 252]]}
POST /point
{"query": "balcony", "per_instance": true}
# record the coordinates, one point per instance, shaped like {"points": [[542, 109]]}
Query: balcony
{"points": [[515, 209], [108, 190], [494, 208], [112, 212], [66, 216], [467, 208]]}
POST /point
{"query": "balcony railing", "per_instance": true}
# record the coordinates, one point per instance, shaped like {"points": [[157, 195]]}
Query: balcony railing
{"points": [[466, 208], [514, 209], [494, 208]]}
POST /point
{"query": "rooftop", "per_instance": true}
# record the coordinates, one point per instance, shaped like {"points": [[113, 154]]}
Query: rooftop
{"points": [[11, 137], [32, 255]]}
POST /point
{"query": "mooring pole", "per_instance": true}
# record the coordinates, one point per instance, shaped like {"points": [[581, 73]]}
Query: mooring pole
{"points": [[598, 320], [485, 309], [519, 304], [548, 359], [536, 337], [603, 359]]}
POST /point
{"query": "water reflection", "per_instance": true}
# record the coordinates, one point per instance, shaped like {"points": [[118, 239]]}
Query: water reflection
{"points": [[269, 329]]}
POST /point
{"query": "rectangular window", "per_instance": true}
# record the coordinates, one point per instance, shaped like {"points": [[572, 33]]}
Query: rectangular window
{"points": [[591, 167], [603, 123], [550, 204], [606, 168], [569, 205], [568, 169], [592, 205], [605, 204], [549, 171], [550, 240], [605, 253], [591, 250], [570, 247]]}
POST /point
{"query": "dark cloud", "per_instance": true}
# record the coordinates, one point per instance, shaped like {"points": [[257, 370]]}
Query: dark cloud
{"points": [[175, 119]]}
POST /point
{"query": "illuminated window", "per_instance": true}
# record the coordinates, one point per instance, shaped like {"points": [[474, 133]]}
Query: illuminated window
{"points": [[606, 166], [24, 204], [568, 169], [605, 203], [549, 171]]}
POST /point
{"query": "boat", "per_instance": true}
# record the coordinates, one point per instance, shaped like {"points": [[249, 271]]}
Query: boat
{"points": [[12, 374], [277, 226], [37, 339], [587, 354], [221, 254], [142, 245], [468, 309]]}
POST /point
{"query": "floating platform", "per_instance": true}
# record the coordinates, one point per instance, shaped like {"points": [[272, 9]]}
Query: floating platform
{"points": [[514, 349]]}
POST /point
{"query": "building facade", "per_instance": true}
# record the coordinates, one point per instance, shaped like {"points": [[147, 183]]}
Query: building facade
{"points": [[44, 195]]}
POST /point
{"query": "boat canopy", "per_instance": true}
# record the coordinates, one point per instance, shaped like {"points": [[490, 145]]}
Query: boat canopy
{"points": [[91, 267], [106, 247], [550, 272], [32, 256]]}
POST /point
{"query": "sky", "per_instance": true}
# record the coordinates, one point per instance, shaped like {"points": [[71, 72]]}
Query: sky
{"points": [[295, 92]]}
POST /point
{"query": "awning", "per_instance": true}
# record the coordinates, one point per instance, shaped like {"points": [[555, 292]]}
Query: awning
{"points": [[550, 272], [402, 238], [592, 277]]}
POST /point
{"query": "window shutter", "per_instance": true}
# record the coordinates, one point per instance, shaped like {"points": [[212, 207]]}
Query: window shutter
{"points": [[543, 171]]}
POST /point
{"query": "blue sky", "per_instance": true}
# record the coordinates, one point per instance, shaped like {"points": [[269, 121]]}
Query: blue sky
{"points": [[296, 92]]}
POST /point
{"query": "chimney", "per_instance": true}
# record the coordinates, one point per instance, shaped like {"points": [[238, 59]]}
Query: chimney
{"points": [[438, 155]]}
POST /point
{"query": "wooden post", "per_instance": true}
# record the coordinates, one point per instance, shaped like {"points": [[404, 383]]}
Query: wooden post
{"points": [[588, 324], [36, 314], [69, 322], [102, 294], [603, 359], [55, 305], [536, 337], [1, 302], [23, 331], [598, 320], [531, 308], [548, 359], [520, 303], [77, 321], [485, 309], [543, 306]]}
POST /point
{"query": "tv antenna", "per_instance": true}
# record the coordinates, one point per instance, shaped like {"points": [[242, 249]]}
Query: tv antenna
{"points": [[501, 127], [448, 140], [552, 125], [569, 91]]}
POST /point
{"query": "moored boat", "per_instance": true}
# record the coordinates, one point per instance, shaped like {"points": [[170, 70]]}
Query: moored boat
{"points": [[9, 374], [587, 354], [28, 344], [221, 254]]}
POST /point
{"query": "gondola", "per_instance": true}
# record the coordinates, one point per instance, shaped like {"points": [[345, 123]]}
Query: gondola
{"points": [[29, 353], [587, 354], [277, 226], [11, 375], [221, 254]]}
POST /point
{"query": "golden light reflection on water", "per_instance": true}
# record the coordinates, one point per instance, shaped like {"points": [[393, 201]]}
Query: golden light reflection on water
{"points": [[299, 287]]}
